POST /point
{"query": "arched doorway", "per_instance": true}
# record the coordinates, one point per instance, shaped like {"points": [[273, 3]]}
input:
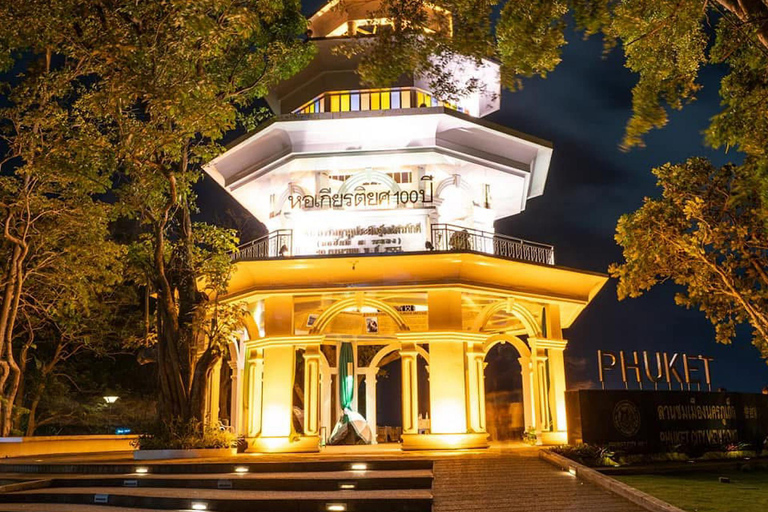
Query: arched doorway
{"points": [[383, 388], [504, 400]]}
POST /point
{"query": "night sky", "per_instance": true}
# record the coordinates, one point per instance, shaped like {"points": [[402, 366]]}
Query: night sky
{"points": [[582, 108]]}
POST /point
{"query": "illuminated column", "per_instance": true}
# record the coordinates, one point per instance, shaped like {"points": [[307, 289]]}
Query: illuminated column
{"points": [[540, 387], [214, 388], [312, 391], [528, 397], [555, 350], [409, 359], [370, 400], [255, 384], [476, 388], [325, 407], [277, 391], [447, 386], [236, 363]]}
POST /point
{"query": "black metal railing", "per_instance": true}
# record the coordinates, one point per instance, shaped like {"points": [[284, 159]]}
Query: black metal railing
{"points": [[448, 237], [445, 237], [277, 244]]}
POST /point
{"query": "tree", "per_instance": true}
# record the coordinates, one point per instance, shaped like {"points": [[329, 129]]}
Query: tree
{"points": [[708, 234], [158, 83], [664, 42]]}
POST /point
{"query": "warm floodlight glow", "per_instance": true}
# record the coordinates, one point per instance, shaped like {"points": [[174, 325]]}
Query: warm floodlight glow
{"points": [[141, 470], [359, 466], [572, 471], [241, 469], [111, 399], [336, 507], [198, 505]]}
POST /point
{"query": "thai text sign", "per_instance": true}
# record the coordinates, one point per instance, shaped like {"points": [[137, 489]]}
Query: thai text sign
{"points": [[379, 238], [654, 368], [647, 421], [363, 197]]}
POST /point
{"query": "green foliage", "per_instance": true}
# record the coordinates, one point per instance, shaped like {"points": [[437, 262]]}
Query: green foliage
{"points": [[708, 234], [141, 93], [179, 434], [664, 43]]}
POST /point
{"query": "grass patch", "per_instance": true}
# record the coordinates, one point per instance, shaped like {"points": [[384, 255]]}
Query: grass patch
{"points": [[701, 492]]}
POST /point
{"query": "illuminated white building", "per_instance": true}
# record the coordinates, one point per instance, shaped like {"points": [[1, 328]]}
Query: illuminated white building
{"points": [[381, 203]]}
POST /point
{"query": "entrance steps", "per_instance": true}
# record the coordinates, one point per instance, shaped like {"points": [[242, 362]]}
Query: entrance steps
{"points": [[306, 486]]}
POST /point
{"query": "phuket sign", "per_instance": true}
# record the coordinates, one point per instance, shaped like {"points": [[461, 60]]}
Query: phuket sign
{"points": [[656, 368]]}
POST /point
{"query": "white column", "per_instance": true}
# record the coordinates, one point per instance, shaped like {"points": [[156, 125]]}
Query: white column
{"points": [[370, 400], [214, 389], [312, 391], [236, 363], [528, 397], [476, 389], [410, 375], [253, 405]]}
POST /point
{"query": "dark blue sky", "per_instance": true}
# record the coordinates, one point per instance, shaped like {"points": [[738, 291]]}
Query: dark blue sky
{"points": [[582, 108]]}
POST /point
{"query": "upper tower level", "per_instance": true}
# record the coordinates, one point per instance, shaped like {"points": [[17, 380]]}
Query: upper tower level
{"points": [[331, 84], [346, 169]]}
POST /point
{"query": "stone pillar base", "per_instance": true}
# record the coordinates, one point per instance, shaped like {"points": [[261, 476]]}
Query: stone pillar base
{"points": [[553, 438], [444, 441], [283, 444]]}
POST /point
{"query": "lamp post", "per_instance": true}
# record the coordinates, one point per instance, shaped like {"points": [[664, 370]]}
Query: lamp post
{"points": [[110, 399]]}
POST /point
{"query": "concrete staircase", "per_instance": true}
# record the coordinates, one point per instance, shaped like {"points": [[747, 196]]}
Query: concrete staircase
{"points": [[307, 486]]}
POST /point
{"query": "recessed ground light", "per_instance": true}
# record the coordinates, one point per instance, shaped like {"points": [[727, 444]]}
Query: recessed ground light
{"points": [[336, 507], [572, 471], [359, 466], [141, 470], [347, 485], [241, 469], [198, 505]]}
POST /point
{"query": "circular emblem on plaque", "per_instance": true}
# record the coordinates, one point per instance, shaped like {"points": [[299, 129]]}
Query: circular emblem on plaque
{"points": [[626, 418]]}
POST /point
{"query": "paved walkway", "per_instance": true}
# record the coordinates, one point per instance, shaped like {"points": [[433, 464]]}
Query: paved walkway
{"points": [[513, 480]]}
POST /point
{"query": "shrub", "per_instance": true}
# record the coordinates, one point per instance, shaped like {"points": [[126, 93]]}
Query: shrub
{"points": [[178, 434]]}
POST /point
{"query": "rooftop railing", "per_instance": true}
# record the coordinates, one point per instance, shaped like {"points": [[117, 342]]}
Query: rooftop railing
{"points": [[373, 99], [444, 238]]}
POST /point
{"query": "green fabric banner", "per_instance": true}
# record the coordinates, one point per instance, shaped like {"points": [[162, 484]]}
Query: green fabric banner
{"points": [[346, 375]]}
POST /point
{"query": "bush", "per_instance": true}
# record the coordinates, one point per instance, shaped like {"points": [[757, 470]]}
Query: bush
{"points": [[589, 455], [178, 434]]}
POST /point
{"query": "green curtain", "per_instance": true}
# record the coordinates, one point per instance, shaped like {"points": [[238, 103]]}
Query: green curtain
{"points": [[346, 375]]}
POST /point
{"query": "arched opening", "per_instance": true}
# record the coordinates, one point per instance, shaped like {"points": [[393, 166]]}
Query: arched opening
{"points": [[387, 393], [504, 393]]}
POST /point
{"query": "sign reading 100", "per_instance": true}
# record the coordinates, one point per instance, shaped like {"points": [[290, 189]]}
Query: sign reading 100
{"points": [[363, 197]]}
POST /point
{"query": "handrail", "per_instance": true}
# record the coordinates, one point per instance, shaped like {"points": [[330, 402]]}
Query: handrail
{"points": [[450, 237], [444, 238], [276, 244]]}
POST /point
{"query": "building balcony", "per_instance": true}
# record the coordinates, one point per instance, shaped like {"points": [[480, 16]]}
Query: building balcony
{"points": [[443, 238], [374, 99]]}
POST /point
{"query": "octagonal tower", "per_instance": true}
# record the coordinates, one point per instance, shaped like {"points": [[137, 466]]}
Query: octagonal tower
{"points": [[380, 206]]}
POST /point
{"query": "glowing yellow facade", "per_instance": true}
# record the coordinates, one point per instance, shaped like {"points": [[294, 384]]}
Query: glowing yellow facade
{"points": [[382, 234]]}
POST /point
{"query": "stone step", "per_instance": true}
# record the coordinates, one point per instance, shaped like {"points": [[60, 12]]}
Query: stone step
{"points": [[252, 484], [400, 500], [199, 467]]}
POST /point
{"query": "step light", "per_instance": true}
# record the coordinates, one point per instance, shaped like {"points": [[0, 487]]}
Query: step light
{"points": [[336, 507], [241, 469], [141, 470], [199, 505], [359, 466], [347, 486]]}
